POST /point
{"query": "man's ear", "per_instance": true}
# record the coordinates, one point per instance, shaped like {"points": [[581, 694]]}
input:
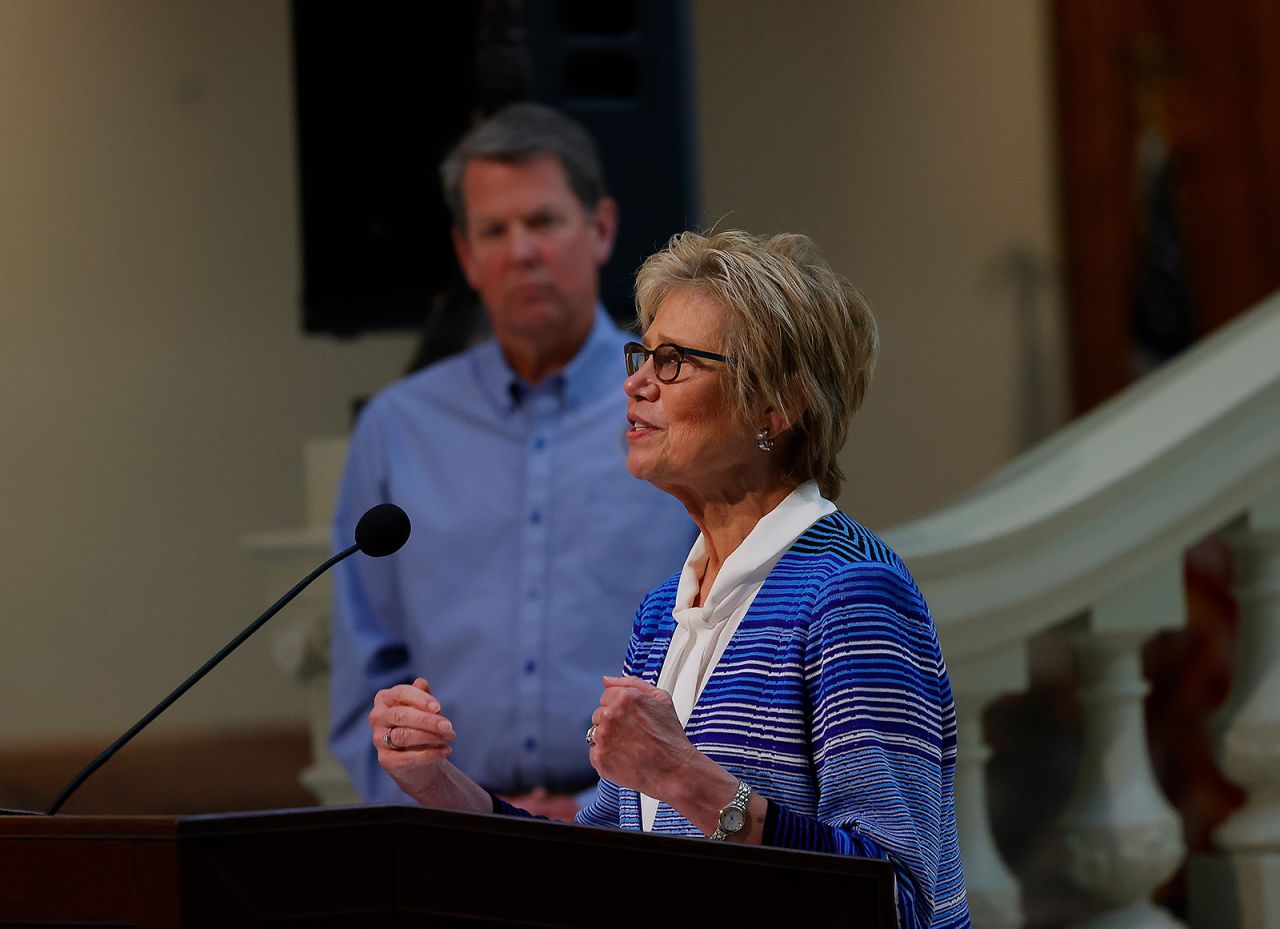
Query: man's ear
{"points": [[604, 229], [462, 248]]}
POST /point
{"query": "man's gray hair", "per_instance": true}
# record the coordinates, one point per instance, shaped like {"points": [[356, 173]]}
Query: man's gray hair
{"points": [[518, 133]]}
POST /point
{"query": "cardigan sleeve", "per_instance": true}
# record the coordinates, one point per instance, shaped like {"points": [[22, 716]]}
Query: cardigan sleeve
{"points": [[882, 732], [602, 811]]}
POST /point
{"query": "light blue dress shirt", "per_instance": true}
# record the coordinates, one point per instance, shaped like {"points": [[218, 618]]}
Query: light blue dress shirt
{"points": [[531, 548]]}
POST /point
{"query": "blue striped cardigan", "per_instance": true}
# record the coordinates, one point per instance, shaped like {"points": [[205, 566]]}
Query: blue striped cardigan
{"points": [[832, 700]]}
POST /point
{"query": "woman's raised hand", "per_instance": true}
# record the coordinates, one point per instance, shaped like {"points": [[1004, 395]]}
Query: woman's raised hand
{"points": [[412, 736], [638, 739], [638, 742]]}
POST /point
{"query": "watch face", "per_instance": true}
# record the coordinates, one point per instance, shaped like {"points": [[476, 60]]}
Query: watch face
{"points": [[732, 819]]}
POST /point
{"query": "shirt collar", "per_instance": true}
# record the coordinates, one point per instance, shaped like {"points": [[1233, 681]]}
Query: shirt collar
{"points": [[751, 562], [591, 372]]}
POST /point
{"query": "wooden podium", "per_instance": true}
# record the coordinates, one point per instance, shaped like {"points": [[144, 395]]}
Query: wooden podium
{"points": [[411, 867]]}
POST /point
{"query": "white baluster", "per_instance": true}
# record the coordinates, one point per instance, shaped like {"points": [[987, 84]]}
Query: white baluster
{"points": [[995, 899], [1123, 838], [301, 649], [300, 637], [1251, 747]]}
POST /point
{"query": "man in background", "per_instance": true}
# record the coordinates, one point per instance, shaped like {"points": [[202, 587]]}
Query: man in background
{"points": [[531, 545]]}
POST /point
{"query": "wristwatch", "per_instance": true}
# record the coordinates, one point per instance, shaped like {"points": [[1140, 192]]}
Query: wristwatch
{"points": [[734, 814]]}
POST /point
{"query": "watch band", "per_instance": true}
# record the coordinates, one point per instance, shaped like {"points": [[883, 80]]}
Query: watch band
{"points": [[729, 822]]}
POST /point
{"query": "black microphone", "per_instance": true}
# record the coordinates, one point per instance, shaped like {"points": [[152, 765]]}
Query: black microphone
{"points": [[381, 531]]}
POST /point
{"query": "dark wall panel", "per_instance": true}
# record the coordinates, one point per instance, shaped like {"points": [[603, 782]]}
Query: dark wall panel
{"points": [[384, 89]]}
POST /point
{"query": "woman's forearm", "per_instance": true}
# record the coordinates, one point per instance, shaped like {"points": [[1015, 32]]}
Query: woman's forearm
{"points": [[700, 793], [450, 789]]}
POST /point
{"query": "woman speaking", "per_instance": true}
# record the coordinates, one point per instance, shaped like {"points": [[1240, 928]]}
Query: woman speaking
{"points": [[785, 688]]}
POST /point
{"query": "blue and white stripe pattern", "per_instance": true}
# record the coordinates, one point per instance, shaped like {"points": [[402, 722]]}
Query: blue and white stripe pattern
{"points": [[833, 701]]}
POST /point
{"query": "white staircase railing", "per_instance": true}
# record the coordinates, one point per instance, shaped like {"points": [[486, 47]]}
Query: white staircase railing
{"points": [[1089, 528]]}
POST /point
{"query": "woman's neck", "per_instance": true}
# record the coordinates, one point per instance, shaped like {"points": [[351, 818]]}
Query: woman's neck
{"points": [[725, 522]]}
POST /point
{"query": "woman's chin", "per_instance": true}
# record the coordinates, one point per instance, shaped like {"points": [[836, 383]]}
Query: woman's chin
{"points": [[636, 466], [642, 466]]}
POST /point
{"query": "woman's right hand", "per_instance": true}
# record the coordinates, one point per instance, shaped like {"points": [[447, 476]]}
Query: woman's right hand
{"points": [[413, 738]]}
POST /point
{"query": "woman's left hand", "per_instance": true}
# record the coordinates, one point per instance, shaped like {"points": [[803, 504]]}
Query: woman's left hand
{"points": [[639, 742]]}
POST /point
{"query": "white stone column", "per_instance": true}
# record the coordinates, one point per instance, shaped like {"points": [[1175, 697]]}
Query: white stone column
{"points": [[995, 899], [1123, 838], [1250, 753]]}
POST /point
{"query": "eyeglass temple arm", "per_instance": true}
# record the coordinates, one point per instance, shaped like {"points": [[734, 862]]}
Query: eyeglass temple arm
{"points": [[714, 356]]}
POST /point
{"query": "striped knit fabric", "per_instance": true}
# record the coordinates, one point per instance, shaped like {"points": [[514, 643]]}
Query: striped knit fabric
{"points": [[832, 700]]}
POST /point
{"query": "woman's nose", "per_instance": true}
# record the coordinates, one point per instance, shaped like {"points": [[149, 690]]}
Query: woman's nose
{"points": [[642, 383]]}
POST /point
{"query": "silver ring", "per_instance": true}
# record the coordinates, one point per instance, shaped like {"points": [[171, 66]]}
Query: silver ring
{"points": [[386, 739], [591, 736]]}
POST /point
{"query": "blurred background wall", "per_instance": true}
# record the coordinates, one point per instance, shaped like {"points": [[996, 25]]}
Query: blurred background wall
{"points": [[914, 142], [158, 388]]}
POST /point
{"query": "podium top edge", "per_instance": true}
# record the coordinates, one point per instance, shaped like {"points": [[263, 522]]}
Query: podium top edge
{"points": [[200, 827]]}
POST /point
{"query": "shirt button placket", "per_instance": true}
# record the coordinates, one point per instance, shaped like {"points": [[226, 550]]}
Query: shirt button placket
{"points": [[535, 554]]}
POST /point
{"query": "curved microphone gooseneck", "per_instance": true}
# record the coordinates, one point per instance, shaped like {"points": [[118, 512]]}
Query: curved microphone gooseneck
{"points": [[382, 530]]}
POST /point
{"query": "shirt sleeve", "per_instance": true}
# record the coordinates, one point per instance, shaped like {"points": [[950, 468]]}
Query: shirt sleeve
{"points": [[367, 648], [883, 734]]}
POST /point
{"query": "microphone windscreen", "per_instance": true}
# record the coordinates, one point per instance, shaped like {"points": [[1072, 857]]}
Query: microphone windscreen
{"points": [[382, 530]]}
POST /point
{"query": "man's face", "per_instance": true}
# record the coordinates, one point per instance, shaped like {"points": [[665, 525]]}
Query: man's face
{"points": [[531, 250]]}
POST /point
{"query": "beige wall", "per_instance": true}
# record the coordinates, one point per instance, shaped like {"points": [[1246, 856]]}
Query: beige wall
{"points": [[157, 390], [912, 140]]}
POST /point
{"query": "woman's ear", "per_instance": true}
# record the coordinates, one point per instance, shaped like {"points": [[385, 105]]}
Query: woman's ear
{"points": [[778, 421], [774, 423]]}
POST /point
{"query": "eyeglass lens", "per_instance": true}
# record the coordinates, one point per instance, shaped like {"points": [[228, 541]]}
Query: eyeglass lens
{"points": [[666, 360]]}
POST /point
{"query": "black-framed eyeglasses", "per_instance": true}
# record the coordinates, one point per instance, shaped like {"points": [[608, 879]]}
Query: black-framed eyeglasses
{"points": [[667, 358]]}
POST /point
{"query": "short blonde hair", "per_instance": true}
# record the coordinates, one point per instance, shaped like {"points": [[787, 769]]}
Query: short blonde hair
{"points": [[802, 338]]}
